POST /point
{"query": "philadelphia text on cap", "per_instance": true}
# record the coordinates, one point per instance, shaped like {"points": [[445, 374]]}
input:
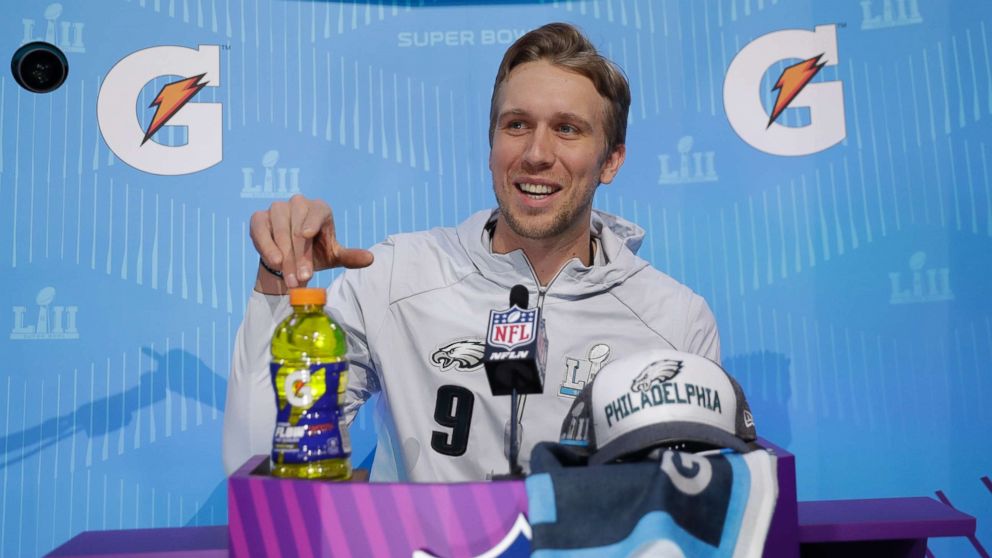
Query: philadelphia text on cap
{"points": [[667, 393]]}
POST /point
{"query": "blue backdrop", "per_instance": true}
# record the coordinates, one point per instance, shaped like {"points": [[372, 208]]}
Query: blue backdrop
{"points": [[844, 248]]}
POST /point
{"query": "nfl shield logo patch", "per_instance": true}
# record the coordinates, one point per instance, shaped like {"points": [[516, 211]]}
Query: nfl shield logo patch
{"points": [[511, 327]]}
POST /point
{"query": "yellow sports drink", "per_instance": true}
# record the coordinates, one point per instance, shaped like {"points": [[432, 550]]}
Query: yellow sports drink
{"points": [[310, 373]]}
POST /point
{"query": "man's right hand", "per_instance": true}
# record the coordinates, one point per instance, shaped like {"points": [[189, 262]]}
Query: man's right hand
{"points": [[297, 238]]}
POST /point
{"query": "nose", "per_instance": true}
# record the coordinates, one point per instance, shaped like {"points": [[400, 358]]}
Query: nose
{"points": [[540, 151]]}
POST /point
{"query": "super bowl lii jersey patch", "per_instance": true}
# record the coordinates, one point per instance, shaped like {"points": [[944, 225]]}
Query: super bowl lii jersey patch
{"points": [[581, 371]]}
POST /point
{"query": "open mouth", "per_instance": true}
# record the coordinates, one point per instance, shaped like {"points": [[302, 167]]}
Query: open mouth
{"points": [[535, 191]]}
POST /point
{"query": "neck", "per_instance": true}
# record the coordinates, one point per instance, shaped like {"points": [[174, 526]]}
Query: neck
{"points": [[546, 255]]}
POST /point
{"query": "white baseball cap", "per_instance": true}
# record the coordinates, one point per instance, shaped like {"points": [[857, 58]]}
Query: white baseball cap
{"points": [[655, 398]]}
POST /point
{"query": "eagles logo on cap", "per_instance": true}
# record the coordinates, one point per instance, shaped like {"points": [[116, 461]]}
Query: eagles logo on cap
{"points": [[659, 371]]}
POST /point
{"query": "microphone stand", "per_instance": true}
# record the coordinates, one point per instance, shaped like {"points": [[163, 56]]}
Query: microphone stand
{"points": [[515, 468]]}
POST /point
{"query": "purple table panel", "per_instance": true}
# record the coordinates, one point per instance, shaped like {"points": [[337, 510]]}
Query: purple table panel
{"points": [[884, 519], [359, 519], [782, 541], [194, 542]]}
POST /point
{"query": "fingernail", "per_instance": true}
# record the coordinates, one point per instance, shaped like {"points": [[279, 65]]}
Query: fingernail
{"points": [[291, 281], [304, 273]]}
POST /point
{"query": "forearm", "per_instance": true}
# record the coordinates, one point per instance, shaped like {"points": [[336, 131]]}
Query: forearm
{"points": [[249, 416]]}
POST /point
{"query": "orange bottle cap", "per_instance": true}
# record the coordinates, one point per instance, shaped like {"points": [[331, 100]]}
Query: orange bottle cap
{"points": [[300, 297]]}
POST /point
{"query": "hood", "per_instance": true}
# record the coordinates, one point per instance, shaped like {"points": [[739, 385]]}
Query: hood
{"points": [[618, 238]]}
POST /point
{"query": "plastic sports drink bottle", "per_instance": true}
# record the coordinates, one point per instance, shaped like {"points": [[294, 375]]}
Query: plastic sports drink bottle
{"points": [[310, 373]]}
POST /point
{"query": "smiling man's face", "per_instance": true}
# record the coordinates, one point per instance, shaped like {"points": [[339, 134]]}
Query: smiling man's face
{"points": [[549, 150]]}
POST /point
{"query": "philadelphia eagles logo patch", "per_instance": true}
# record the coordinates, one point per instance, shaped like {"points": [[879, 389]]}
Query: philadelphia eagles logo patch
{"points": [[659, 371], [463, 355]]}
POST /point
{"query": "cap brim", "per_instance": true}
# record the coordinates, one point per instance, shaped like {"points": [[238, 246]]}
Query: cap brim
{"points": [[668, 433]]}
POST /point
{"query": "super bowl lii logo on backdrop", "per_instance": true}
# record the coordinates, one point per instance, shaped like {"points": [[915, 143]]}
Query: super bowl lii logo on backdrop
{"points": [[45, 320], [893, 13], [920, 283], [135, 144], [273, 182], [67, 35], [690, 166]]}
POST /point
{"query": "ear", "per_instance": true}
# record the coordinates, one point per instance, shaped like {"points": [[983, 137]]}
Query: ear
{"points": [[611, 166]]}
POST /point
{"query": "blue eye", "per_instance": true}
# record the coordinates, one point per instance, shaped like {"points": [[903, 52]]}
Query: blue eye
{"points": [[567, 129]]}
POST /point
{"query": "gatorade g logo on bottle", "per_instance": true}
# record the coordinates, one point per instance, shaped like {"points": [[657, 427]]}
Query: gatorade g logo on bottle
{"points": [[308, 416], [298, 390]]}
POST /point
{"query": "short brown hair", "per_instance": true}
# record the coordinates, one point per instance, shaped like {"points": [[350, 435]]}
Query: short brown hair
{"points": [[564, 45]]}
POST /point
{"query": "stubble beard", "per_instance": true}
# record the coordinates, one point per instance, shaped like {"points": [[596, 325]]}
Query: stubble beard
{"points": [[536, 229]]}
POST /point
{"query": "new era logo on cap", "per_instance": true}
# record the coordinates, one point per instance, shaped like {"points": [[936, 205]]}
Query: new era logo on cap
{"points": [[658, 397]]}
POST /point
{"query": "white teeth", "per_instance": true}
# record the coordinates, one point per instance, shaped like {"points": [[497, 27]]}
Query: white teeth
{"points": [[528, 188]]}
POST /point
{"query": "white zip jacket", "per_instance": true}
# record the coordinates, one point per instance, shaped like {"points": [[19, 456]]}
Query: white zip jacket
{"points": [[416, 321]]}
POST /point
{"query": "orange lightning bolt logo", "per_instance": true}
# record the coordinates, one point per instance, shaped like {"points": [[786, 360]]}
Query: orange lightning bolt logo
{"points": [[170, 99], [791, 82]]}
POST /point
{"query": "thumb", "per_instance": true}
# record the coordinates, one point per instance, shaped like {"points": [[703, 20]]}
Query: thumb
{"points": [[353, 258]]}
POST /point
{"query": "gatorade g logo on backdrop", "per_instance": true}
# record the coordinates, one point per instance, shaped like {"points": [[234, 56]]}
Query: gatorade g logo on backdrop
{"points": [[118, 118], [742, 92]]}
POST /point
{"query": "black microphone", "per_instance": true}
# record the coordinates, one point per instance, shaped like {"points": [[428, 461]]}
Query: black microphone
{"points": [[519, 296], [515, 356], [516, 347]]}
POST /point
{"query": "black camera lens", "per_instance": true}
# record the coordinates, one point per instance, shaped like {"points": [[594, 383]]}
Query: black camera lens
{"points": [[39, 67]]}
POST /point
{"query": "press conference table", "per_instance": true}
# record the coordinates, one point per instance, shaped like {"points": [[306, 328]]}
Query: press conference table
{"points": [[264, 518], [849, 528]]}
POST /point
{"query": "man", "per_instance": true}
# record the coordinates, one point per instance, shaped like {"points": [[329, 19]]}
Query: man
{"points": [[415, 308]]}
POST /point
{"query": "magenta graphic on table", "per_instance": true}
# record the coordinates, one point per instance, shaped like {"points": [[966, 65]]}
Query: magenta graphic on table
{"points": [[363, 520]]}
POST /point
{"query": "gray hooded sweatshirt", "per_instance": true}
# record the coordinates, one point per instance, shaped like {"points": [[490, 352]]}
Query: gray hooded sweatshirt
{"points": [[416, 321]]}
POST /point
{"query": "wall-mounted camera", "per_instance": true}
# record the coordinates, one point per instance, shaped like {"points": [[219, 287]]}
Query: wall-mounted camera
{"points": [[39, 67]]}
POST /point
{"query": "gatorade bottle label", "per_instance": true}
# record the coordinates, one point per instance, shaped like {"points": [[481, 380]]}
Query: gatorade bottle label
{"points": [[309, 422]]}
